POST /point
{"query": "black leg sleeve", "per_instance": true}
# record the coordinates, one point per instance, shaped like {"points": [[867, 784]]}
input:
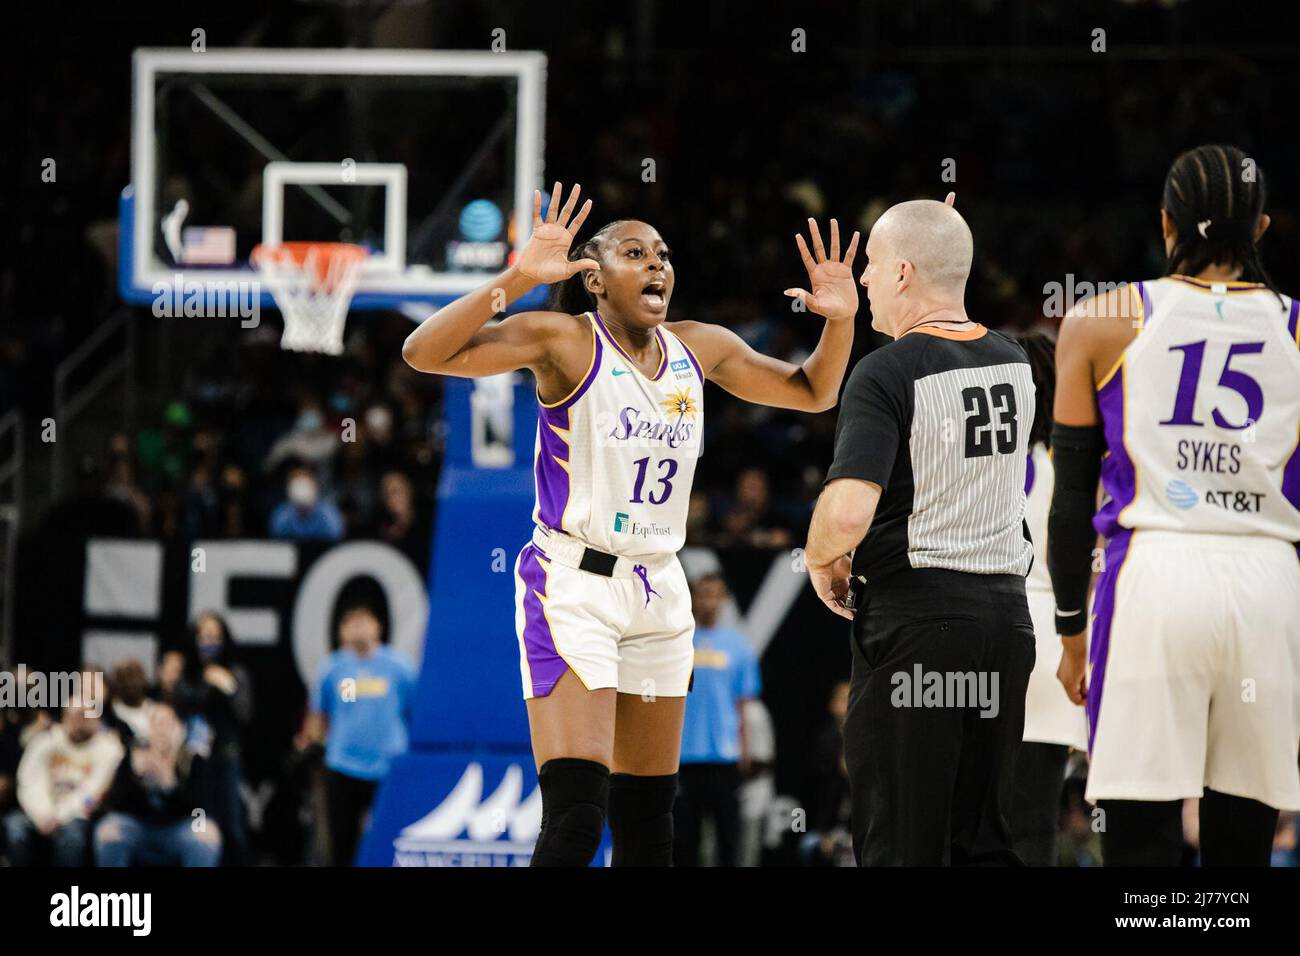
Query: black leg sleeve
{"points": [[1142, 832], [575, 794], [641, 819], [1236, 831]]}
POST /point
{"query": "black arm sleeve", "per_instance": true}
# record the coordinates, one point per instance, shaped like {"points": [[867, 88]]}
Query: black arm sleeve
{"points": [[1076, 461]]}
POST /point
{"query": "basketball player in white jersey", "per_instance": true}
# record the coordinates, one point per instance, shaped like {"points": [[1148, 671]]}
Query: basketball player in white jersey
{"points": [[603, 612], [1053, 725], [1190, 386]]}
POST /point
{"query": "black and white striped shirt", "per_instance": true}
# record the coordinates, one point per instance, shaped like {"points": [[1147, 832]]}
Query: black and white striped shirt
{"points": [[940, 420]]}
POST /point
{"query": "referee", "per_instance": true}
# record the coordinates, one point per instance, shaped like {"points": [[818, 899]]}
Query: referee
{"points": [[919, 539]]}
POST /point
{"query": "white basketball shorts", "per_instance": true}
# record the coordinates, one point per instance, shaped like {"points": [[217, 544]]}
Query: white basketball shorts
{"points": [[1050, 716], [1195, 676], [633, 631]]}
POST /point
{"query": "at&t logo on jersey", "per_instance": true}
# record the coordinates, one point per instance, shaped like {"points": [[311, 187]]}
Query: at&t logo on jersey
{"points": [[1181, 495]]}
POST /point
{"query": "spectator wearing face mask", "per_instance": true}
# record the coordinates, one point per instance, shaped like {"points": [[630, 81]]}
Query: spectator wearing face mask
{"points": [[215, 696], [305, 515], [62, 778], [309, 441], [152, 802]]}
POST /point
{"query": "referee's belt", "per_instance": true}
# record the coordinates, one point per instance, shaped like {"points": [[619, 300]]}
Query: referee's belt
{"points": [[575, 553]]}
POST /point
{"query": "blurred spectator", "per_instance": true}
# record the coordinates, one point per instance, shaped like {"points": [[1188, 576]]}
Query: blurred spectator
{"points": [[362, 712], [305, 515], [171, 665], [62, 778], [155, 801], [399, 523], [232, 503], [1285, 849], [752, 519], [309, 441], [829, 839], [120, 479], [714, 734], [214, 695], [758, 792], [164, 453], [128, 706]]}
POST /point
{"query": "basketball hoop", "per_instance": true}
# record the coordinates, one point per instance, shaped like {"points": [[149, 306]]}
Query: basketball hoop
{"points": [[312, 283]]}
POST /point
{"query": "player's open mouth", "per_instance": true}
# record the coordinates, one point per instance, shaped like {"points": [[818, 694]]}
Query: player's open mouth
{"points": [[652, 296]]}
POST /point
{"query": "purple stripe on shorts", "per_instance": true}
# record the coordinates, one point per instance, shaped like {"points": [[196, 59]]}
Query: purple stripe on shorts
{"points": [[545, 666], [1291, 319], [1103, 617], [1029, 471], [1117, 474]]}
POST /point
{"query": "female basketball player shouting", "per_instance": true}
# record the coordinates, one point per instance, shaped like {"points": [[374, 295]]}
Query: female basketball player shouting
{"points": [[602, 609]]}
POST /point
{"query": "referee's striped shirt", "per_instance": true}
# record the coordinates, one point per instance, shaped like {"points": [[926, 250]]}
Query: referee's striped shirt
{"points": [[940, 420]]}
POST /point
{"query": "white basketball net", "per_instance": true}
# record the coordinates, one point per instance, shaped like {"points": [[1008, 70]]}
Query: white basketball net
{"points": [[312, 283]]}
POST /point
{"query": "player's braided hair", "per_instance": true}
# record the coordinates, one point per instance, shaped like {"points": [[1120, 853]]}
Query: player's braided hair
{"points": [[1215, 196], [1041, 349], [571, 295]]}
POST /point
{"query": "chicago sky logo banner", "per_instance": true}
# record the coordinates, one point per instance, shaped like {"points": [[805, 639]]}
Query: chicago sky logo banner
{"points": [[458, 809]]}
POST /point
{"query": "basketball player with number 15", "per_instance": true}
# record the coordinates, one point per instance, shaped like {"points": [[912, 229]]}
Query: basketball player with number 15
{"points": [[602, 608], [1190, 385]]}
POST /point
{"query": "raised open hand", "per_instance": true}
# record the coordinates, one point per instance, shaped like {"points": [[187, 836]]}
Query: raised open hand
{"points": [[545, 257], [834, 293]]}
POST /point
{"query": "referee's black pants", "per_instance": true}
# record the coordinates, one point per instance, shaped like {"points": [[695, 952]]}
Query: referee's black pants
{"points": [[941, 662]]}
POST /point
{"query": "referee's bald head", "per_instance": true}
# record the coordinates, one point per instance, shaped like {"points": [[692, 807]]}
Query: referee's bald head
{"points": [[930, 235]]}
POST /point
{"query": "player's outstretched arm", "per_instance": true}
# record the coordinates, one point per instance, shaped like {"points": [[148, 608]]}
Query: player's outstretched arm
{"points": [[813, 386], [454, 340]]}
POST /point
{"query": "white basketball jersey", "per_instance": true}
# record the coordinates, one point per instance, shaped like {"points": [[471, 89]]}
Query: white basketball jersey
{"points": [[1039, 478], [615, 459], [1202, 413]]}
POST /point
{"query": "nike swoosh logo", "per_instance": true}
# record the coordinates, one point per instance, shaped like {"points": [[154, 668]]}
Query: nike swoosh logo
{"points": [[621, 371], [1218, 307]]}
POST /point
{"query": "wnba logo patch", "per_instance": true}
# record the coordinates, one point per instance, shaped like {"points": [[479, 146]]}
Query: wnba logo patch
{"points": [[1181, 495]]}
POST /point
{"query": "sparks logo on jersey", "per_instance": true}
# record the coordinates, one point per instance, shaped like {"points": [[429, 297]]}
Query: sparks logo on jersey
{"points": [[633, 427], [679, 403]]}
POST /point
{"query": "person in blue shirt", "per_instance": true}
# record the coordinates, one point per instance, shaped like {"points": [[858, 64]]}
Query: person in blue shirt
{"points": [[305, 514], [361, 713], [714, 752]]}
